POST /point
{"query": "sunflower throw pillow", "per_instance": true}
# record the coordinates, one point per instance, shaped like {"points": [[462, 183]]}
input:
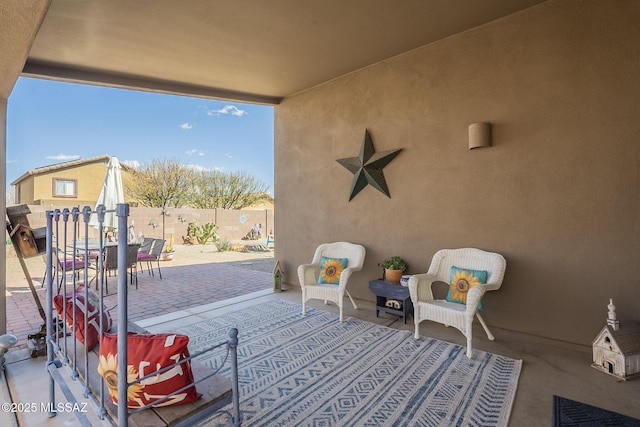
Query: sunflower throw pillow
{"points": [[463, 279], [331, 269], [147, 353]]}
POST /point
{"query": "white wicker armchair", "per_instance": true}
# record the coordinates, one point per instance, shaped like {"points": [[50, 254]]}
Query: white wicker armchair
{"points": [[308, 274], [454, 314]]}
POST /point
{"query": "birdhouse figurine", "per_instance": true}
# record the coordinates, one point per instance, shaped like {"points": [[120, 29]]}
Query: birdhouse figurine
{"points": [[277, 277], [616, 349]]}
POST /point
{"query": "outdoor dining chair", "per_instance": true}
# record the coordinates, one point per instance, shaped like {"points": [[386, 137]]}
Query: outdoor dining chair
{"points": [[145, 248], [153, 255], [66, 264], [110, 263]]}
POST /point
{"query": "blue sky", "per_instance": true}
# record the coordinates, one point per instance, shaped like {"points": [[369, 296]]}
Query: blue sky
{"points": [[51, 122]]}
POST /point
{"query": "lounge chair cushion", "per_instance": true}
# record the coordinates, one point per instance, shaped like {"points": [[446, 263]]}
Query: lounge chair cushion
{"points": [[90, 337], [148, 353], [463, 279], [331, 269]]}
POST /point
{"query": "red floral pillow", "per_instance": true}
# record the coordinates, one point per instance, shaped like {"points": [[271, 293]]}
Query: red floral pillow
{"points": [[90, 337], [146, 355]]}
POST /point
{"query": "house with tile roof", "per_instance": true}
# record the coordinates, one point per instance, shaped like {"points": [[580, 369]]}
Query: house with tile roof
{"points": [[76, 182]]}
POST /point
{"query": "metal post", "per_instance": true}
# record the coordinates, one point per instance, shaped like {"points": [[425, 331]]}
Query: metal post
{"points": [[49, 311], [235, 390], [122, 212]]}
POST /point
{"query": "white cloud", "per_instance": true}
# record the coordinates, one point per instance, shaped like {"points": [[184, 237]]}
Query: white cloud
{"points": [[194, 151], [197, 168], [132, 163], [203, 169], [228, 155], [227, 109], [62, 156], [186, 126]]}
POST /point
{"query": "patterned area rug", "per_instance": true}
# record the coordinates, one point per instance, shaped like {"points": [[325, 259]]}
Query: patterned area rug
{"points": [[569, 413], [315, 371]]}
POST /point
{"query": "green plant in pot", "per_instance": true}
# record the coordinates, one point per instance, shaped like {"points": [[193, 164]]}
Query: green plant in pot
{"points": [[393, 269]]}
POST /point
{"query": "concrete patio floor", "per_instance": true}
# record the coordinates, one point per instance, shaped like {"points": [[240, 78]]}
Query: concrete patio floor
{"points": [[549, 367]]}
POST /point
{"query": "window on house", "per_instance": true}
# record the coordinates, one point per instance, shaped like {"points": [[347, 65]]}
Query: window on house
{"points": [[65, 187]]}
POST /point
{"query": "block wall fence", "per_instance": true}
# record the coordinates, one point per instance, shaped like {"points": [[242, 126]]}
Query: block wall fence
{"points": [[232, 224]]}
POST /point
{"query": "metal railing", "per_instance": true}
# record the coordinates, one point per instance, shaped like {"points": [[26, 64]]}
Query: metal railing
{"points": [[69, 250]]}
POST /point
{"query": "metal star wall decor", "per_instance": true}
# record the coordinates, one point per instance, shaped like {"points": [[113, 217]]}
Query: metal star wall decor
{"points": [[367, 167]]}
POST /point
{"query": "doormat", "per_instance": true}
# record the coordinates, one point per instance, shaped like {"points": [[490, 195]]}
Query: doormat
{"points": [[569, 413]]}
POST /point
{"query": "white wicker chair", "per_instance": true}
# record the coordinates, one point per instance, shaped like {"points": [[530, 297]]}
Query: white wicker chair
{"points": [[308, 274], [453, 314]]}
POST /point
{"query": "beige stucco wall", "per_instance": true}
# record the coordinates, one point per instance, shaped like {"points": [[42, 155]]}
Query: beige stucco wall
{"points": [[38, 188], [3, 248], [557, 194], [90, 178], [20, 20]]}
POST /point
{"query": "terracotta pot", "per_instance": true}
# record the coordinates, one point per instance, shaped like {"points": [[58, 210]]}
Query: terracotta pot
{"points": [[392, 276]]}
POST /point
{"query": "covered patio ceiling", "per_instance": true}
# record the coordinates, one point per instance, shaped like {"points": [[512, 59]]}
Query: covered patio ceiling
{"points": [[253, 50]]}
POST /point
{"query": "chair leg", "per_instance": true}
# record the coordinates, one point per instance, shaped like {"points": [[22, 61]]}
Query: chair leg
{"points": [[131, 274], [159, 272], [416, 334], [469, 335], [485, 327], [352, 301]]}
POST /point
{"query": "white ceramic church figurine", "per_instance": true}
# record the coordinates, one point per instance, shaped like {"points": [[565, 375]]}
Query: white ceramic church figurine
{"points": [[616, 349]]}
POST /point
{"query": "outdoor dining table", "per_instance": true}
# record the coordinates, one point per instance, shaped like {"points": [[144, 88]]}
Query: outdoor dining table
{"points": [[90, 249]]}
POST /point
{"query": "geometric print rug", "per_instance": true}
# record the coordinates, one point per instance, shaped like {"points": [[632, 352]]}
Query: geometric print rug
{"points": [[313, 370]]}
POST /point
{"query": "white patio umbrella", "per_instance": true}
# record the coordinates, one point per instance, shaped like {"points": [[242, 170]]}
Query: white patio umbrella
{"points": [[111, 194]]}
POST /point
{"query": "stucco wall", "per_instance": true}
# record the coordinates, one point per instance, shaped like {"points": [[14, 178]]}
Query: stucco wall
{"points": [[38, 189], [17, 32], [556, 194], [3, 248], [89, 178]]}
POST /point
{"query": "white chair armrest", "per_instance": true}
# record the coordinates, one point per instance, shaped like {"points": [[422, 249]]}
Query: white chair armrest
{"points": [[473, 298], [420, 287], [307, 274], [344, 277], [492, 286]]}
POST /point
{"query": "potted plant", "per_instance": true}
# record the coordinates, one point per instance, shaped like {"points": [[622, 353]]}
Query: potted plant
{"points": [[169, 252], [393, 269]]}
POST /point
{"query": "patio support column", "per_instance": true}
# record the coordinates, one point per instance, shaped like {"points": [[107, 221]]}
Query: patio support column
{"points": [[3, 206], [19, 24]]}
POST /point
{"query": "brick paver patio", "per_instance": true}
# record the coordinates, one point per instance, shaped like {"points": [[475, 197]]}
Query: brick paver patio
{"points": [[196, 276]]}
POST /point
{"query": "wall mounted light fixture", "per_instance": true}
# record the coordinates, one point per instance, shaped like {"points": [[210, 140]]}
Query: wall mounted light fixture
{"points": [[182, 218], [153, 223], [479, 135]]}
